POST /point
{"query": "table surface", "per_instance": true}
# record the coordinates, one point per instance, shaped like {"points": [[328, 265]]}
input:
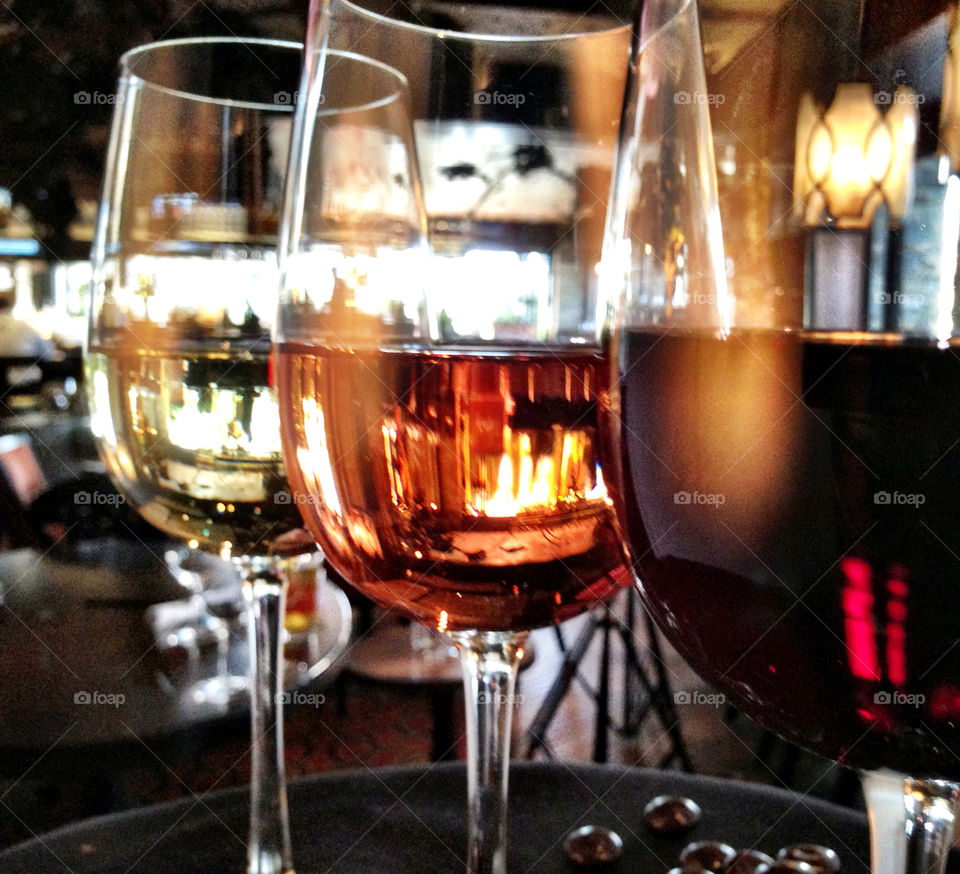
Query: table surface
{"points": [[80, 664], [386, 654], [402, 820]]}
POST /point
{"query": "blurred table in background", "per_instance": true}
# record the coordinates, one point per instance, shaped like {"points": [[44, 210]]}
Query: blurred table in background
{"points": [[70, 631], [91, 688]]}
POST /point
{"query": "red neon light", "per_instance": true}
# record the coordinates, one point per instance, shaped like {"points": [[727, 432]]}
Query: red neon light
{"points": [[897, 588], [897, 611], [859, 628], [896, 654], [896, 630]]}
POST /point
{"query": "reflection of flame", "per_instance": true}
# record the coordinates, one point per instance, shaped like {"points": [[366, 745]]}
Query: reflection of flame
{"points": [[363, 534], [527, 483], [389, 432], [534, 485], [599, 490], [497, 472]]}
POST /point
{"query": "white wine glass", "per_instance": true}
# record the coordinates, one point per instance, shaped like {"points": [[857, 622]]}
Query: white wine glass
{"points": [[178, 359]]}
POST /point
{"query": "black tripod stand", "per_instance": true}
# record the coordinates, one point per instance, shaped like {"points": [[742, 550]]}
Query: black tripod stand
{"points": [[645, 692]]}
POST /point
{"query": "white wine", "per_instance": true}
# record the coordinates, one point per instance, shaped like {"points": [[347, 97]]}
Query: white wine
{"points": [[461, 487], [189, 431]]}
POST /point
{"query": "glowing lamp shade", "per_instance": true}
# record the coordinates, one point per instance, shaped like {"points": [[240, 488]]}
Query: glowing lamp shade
{"points": [[950, 107], [851, 156]]}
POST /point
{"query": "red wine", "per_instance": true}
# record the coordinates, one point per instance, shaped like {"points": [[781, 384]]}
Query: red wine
{"points": [[462, 488], [793, 504]]}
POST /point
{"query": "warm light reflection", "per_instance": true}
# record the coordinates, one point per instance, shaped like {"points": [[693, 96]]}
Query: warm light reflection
{"points": [[101, 422], [903, 121], [533, 486], [851, 157], [164, 291], [950, 103], [599, 490], [314, 464], [948, 260], [500, 293], [363, 535], [528, 483]]}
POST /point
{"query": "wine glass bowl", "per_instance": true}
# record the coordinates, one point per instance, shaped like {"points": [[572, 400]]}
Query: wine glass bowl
{"points": [[179, 346], [179, 370], [516, 114], [487, 434], [468, 491], [786, 450], [441, 415]]}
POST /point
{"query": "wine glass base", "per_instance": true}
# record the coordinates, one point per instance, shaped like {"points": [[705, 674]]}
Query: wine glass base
{"points": [[911, 822], [225, 691]]}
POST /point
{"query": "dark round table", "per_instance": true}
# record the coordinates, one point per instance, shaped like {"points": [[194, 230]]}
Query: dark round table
{"points": [[91, 709], [411, 821], [80, 663]]}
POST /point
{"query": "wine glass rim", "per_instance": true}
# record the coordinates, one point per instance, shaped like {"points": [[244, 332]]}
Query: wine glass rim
{"points": [[130, 56], [650, 37], [445, 33]]}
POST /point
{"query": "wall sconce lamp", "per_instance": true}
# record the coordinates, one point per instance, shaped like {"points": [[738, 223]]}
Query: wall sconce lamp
{"points": [[852, 157], [950, 102]]}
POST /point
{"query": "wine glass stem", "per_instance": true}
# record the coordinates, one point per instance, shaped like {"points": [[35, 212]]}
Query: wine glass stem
{"points": [[489, 661], [268, 849], [318, 22], [911, 822]]}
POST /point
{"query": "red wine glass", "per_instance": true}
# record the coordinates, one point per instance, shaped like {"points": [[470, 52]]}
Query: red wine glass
{"points": [[787, 390]]}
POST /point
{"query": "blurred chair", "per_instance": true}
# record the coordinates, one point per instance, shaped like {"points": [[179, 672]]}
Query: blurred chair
{"points": [[74, 516], [20, 465], [21, 481]]}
